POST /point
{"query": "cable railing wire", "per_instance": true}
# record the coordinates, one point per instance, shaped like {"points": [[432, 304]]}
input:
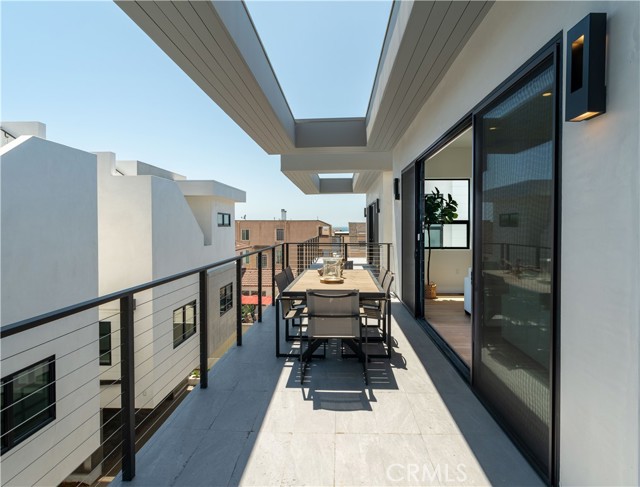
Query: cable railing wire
{"points": [[182, 371], [138, 320], [41, 432], [58, 379], [138, 364], [75, 330], [57, 401], [58, 357], [166, 294], [161, 417], [193, 349]]}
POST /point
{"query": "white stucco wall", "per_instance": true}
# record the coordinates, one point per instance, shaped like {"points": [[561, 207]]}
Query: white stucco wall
{"points": [[148, 230], [600, 266], [382, 189], [49, 236]]}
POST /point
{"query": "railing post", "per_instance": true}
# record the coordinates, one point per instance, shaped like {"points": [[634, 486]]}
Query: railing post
{"points": [[388, 256], [285, 260], [346, 251], [259, 287], [273, 276], [299, 252], [239, 302], [204, 331], [127, 369]]}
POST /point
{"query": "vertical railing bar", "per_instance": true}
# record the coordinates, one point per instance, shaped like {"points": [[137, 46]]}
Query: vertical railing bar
{"points": [[239, 302], [204, 331], [285, 261], [127, 370], [389, 257], [259, 287], [273, 275]]}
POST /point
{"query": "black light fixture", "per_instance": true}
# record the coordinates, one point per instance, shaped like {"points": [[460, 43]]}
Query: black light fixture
{"points": [[378, 205], [396, 188], [586, 53], [365, 212]]}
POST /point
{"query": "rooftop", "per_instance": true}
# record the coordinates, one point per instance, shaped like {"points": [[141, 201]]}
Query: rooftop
{"points": [[417, 423]]}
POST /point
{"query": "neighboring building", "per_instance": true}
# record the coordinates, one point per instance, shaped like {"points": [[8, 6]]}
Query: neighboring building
{"points": [[252, 235], [49, 260], [357, 232], [255, 234], [169, 225]]}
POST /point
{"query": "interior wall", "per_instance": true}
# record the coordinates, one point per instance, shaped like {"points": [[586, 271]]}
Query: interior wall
{"points": [[600, 263], [450, 266]]}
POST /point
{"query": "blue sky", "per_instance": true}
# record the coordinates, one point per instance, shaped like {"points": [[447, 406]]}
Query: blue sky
{"points": [[100, 84]]}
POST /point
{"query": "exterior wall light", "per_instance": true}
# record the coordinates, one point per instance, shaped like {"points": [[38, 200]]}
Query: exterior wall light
{"points": [[396, 188], [586, 53]]}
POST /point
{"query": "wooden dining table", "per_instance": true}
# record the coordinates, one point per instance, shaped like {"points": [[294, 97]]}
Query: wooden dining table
{"points": [[361, 279]]}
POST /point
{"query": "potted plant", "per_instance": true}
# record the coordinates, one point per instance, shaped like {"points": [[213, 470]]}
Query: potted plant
{"points": [[438, 210], [194, 377]]}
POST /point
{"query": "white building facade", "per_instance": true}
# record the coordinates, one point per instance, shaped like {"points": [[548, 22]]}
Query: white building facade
{"points": [[50, 388]]}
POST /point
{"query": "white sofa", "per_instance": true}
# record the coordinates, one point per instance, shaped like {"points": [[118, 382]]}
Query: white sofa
{"points": [[467, 291]]}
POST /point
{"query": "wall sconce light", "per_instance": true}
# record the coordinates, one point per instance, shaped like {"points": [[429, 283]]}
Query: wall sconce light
{"points": [[365, 212], [396, 188], [586, 52], [377, 205]]}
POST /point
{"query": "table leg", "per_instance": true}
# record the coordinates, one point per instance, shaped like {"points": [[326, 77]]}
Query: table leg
{"points": [[278, 327], [389, 327]]}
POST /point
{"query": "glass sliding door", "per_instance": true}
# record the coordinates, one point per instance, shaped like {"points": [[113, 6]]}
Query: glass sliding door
{"points": [[516, 232]]}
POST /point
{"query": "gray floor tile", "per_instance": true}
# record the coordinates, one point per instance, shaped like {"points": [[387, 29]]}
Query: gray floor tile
{"points": [[415, 423]]}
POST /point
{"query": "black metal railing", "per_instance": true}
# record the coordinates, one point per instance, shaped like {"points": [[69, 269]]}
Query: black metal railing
{"points": [[150, 321]]}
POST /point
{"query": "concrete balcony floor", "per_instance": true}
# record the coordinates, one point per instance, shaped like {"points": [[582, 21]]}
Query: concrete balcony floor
{"points": [[417, 423]]}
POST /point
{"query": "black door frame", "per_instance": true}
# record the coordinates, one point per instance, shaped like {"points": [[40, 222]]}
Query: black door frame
{"points": [[413, 258], [552, 49]]}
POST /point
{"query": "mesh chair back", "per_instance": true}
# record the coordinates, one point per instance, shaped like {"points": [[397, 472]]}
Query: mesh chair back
{"points": [[383, 274], [348, 264], [386, 282], [282, 282], [387, 288], [333, 314], [289, 273]]}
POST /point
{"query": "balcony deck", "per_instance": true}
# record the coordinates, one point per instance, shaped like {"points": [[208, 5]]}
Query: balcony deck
{"points": [[417, 423]]}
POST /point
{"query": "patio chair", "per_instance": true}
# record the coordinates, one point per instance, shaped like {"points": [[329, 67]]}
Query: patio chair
{"points": [[290, 311], [334, 314], [377, 310]]}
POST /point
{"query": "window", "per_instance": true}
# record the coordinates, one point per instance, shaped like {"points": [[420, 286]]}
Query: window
{"points": [[184, 323], [244, 234], [105, 342], [224, 219], [246, 259], [279, 255], [28, 402], [226, 298], [279, 234], [263, 258], [454, 235]]}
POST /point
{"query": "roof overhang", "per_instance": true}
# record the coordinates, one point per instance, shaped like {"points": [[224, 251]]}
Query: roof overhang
{"points": [[213, 189], [304, 170], [217, 45]]}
